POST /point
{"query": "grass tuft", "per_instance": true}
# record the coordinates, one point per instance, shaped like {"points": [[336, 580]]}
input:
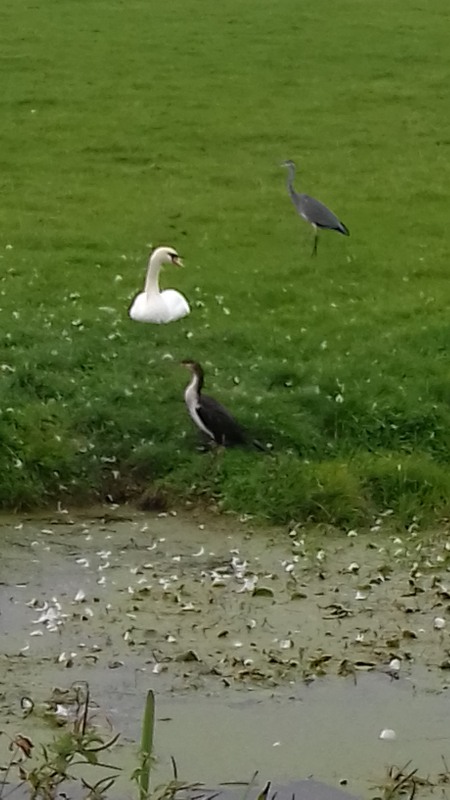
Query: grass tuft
{"points": [[148, 727]]}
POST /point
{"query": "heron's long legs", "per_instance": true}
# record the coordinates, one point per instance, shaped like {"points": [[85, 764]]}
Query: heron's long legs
{"points": [[316, 240]]}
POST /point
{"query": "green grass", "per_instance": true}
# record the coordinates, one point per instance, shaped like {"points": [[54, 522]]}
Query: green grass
{"points": [[130, 123]]}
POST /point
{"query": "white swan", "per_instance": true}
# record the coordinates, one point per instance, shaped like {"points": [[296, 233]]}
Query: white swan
{"points": [[152, 305]]}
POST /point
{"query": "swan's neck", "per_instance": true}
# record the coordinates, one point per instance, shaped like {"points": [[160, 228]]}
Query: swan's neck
{"points": [[152, 279]]}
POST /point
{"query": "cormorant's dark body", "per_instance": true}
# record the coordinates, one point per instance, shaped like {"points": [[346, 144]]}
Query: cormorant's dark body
{"points": [[210, 416]]}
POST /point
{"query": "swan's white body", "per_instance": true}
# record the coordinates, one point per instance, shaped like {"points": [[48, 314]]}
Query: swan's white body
{"points": [[155, 306], [160, 307]]}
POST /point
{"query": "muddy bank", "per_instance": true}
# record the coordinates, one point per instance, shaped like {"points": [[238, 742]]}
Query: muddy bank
{"points": [[288, 653]]}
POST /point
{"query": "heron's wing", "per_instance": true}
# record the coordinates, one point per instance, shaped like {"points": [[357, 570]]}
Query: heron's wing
{"points": [[219, 421], [317, 214]]}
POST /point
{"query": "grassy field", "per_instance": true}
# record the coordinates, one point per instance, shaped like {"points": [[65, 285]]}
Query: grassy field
{"points": [[126, 124]]}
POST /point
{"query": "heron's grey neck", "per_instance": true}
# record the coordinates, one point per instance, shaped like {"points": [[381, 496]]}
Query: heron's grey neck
{"points": [[151, 280], [290, 178]]}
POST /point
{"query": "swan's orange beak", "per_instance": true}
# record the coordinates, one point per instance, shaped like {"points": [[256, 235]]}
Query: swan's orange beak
{"points": [[177, 260]]}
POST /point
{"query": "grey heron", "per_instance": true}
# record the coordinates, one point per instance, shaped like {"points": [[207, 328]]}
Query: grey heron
{"points": [[210, 416], [155, 306], [312, 210]]}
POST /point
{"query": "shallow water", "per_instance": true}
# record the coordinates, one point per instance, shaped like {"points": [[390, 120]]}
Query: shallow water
{"points": [[242, 635]]}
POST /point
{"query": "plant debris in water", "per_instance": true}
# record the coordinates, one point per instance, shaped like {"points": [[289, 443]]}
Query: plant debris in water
{"points": [[224, 607], [190, 604]]}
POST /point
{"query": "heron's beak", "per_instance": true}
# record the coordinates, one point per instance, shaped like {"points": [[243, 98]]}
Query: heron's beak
{"points": [[178, 261]]}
